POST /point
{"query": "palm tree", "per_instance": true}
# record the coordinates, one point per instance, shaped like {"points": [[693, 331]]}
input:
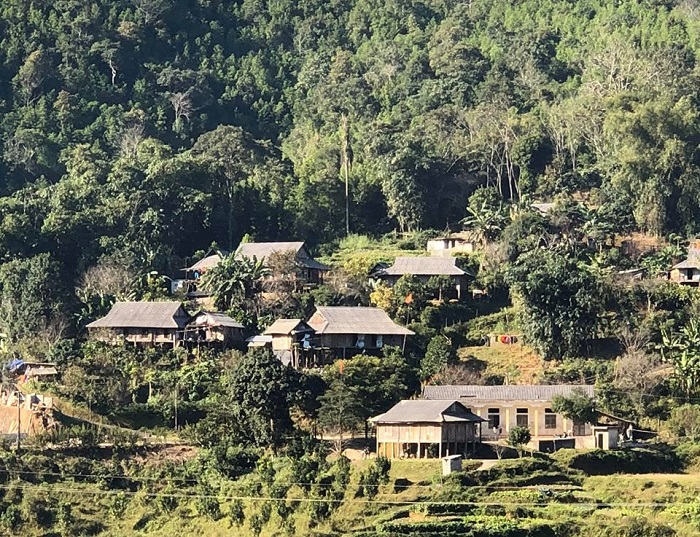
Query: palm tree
{"points": [[682, 350], [233, 280], [486, 222]]}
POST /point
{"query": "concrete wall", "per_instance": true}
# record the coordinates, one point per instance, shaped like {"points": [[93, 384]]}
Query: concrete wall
{"points": [[536, 421], [447, 247]]}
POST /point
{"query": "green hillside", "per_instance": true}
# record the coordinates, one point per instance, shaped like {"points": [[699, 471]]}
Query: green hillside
{"points": [[523, 497], [147, 129]]}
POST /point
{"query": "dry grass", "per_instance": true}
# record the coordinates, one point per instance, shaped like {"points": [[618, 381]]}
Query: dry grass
{"points": [[517, 364]]}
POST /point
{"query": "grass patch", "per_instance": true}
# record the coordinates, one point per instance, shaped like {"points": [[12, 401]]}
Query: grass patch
{"points": [[512, 363]]}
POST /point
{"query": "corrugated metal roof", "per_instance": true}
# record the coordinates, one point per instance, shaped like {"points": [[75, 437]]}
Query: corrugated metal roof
{"points": [[206, 263], [468, 393], [544, 208], [687, 264], [143, 315], [258, 341], [211, 259], [262, 250], [287, 326], [41, 371], [424, 266], [356, 320], [465, 236], [213, 318], [424, 411]]}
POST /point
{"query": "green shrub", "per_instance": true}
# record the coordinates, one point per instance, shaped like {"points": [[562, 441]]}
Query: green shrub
{"points": [[11, 517], [637, 526], [383, 466], [230, 460], [208, 505], [236, 513], [689, 454], [629, 461], [118, 504]]}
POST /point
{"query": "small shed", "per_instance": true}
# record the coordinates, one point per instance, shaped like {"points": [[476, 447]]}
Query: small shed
{"points": [[214, 328], [291, 341], [208, 262], [451, 464], [41, 371], [687, 272], [606, 436], [259, 341], [454, 243]]}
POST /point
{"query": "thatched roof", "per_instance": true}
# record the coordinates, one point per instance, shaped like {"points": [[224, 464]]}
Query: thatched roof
{"points": [[143, 315], [355, 320], [423, 266], [423, 411], [263, 250], [503, 393]]}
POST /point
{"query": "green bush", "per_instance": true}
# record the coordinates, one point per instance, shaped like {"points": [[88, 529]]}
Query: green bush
{"points": [[230, 460], [11, 517], [689, 454], [473, 526], [628, 461], [118, 505], [637, 526]]}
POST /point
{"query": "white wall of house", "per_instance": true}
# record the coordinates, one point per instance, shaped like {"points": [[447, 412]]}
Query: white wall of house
{"points": [[446, 247]]}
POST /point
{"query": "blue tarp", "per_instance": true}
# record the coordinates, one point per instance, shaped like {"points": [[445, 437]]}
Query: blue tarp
{"points": [[15, 364]]}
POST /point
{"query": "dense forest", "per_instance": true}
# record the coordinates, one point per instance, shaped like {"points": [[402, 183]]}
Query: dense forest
{"points": [[561, 137], [148, 129]]}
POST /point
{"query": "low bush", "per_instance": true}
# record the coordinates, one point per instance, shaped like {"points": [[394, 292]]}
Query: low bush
{"points": [[628, 461], [474, 526], [689, 454]]}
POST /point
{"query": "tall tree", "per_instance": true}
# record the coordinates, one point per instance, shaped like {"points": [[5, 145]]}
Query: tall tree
{"points": [[562, 302]]}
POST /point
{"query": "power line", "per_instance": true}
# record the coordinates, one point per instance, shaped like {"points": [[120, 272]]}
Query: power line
{"points": [[597, 505], [290, 484]]}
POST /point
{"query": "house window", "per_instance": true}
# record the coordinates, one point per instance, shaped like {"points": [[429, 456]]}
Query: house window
{"points": [[579, 429], [550, 419], [494, 416], [521, 417]]}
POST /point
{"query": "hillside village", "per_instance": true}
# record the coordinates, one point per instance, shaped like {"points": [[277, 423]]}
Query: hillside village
{"points": [[350, 268], [379, 351]]}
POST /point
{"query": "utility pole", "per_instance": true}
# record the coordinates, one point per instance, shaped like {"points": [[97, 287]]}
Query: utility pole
{"points": [[19, 417], [345, 166], [176, 398]]}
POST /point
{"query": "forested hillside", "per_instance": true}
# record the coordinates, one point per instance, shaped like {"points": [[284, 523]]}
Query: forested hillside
{"points": [[150, 128], [560, 138]]}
